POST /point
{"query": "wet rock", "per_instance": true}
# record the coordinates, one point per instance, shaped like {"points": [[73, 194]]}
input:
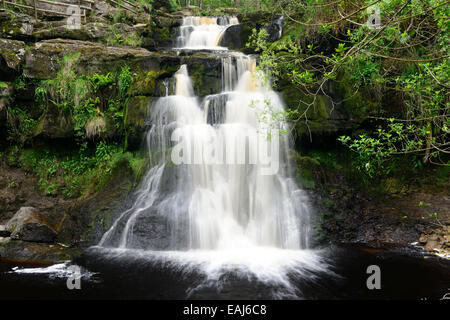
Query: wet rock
{"points": [[138, 110], [232, 38], [431, 245], [436, 239], [30, 252], [28, 225], [150, 232], [89, 217], [275, 28], [4, 232]]}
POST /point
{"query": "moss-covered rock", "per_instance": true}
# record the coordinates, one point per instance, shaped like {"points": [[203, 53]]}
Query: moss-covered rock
{"points": [[54, 123], [205, 72], [148, 82], [12, 55], [42, 60], [137, 111], [306, 167], [91, 215], [94, 31], [325, 115], [358, 104], [16, 25]]}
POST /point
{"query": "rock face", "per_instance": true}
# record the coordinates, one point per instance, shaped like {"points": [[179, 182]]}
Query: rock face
{"points": [[28, 225], [12, 55], [232, 38], [151, 71], [237, 36]]}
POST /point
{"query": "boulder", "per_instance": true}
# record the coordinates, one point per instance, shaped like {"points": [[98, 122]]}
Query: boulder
{"points": [[12, 54], [233, 39], [4, 240], [28, 225], [102, 8], [16, 25]]}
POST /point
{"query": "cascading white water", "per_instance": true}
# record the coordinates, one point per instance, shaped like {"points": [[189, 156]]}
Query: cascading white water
{"points": [[222, 205], [203, 32], [229, 210]]}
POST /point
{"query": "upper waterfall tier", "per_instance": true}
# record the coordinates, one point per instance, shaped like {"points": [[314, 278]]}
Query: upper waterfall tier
{"points": [[199, 33]]}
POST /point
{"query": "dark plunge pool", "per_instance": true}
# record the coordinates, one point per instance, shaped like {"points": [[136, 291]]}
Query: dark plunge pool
{"points": [[333, 273]]}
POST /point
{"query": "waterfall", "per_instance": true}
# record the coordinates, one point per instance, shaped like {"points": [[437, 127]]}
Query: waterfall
{"points": [[213, 185], [203, 32], [219, 205]]}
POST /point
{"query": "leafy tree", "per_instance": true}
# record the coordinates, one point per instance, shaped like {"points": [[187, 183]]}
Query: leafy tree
{"points": [[405, 54]]}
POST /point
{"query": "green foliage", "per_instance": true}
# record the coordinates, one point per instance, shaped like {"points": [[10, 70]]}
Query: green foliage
{"points": [[423, 204], [406, 58], [116, 38], [148, 3], [91, 100], [174, 4], [125, 79], [71, 172], [100, 81], [20, 125]]}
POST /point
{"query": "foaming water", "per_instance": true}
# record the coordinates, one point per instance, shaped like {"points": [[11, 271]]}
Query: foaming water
{"points": [[274, 268], [60, 270]]}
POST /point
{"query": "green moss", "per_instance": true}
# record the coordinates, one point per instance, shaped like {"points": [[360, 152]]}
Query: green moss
{"points": [[305, 167], [356, 103], [162, 34], [145, 83], [137, 111], [197, 72], [72, 172], [393, 186], [306, 179], [320, 108]]}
